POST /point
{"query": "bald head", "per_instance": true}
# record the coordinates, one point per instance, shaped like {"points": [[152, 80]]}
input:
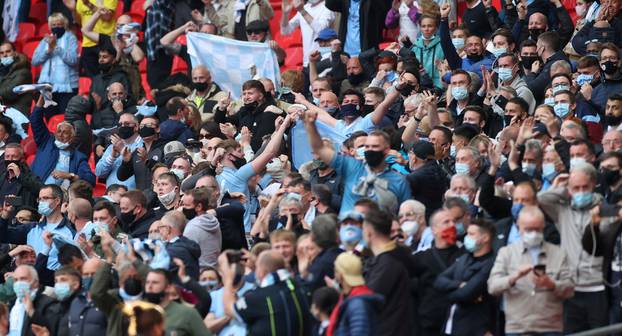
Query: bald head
{"points": [[124, 19], [270, 261], [90, 267], [81, 208], [328, 99], [200, 74]]}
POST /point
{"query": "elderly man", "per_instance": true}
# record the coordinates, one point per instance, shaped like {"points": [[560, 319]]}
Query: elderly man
{"points": [[178, 246], [357, 79], [57, 160], [612, 141], [18, 179], [411, 216], [569, 204], [469, 162], [534, 277], [205, 94]]}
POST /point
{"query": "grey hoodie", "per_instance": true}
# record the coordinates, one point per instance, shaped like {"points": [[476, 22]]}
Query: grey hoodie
{"points": [[205, 231]]}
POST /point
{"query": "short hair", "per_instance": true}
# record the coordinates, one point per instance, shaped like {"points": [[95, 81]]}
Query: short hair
{"points": [[324, 231], [446, 133], [383, 135], [354, 92], [105, 205], [323, 193], [534, 145], [293, 79], [461, 72], [200, 196], [254, 84], [282, 234], [376, 91], [115, 187], [550, 39], [229, 145], [325, 299], [522, 103], [417, 206], [466, 131], [609, 155], [67, 252], [17, 146], [468, 179], [615, 96], [610, 46], [81, 189], [485, 227], [570, 95], [588, 61], [170, 177], [561, 64], [588, 144], [587, 169], [562, 74], [505, 33], [68, 270], [271, 261], [527, 43], [176, 219], [533, 211], [175, 104], [380, 221], [367, 202], [478, 110], [57, 192], [136, 197], [167, 275]]}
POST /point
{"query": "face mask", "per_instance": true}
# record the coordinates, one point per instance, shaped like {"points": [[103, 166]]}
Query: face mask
{"points": [[534, 33], [367, 109], [548, 171], [155, 236], [238, 162], [410, 227], [200, 87], [533, 238], [470, 244], [462, 168], [561, 110], [155, 298], [582, 199], [61, 145], [498, 51], [527, 61], [87, 282], [474, 58], [559, 88], [324, 51], [128, 298], [507, 119], [127, 217], [452, 151], [125, 132], [611, 176], [132, 286], [44, 208], [374, 158], [574, 162], [390, 76], [609, 67], [464, 197], [145, 132], [62, 290], [406, 90], [458, 43], [7, 61], [516, 208], [316, 101], [331, 110], [356, 79], [190, 213], [584, 79], [350, 110], [321, 165], [251, 106], [550, 101], [58, 31], [612, 120], [179, 173], [168, 198], [459, 92], [505, 74], [104, 67], [529, 168], [449, 235], [350, 234], [209, 285], [21, 288], [580, 10]]}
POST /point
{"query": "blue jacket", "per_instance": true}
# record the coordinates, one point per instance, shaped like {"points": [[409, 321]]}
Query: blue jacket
{"points": [[171, 130], [47, 152], [84, 318], [455, 61], [358, 315]]}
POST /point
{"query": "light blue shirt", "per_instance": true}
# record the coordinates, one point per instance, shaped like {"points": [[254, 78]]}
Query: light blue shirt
{"points": [[61, 165], [514, 235], [235, 327], [236, 180], [353, 33], [108, 166], [34, 239], [16, 319], [59, 68], [364, 124], [353, 170]]}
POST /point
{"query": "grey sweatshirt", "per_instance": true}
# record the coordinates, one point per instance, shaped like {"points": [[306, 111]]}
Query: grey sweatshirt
{"points": [[205, 231]]}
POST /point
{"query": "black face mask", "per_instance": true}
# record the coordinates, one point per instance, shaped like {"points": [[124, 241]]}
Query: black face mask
{"points": [[58, 31], [251, 106], [105, 67], [239, 162], [146, 131], [190, 213], [406, 90], [612, 120], [200, 86], [611, 177], [8, 162], [132, 286], [155, 298], [283, 219], [125, 132], [527, 61], [367, 109], [321, 165], [475, 58], [534, 33], [374, 158], [475, 126], [127, 218], [609, 67], [356, 79]]}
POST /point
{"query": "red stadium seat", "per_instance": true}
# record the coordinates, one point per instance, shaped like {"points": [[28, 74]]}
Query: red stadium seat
{"points": [[143, 77], [29, 146], [142, 66], [99, 190], [92, 161], [26, 31], [38, 12], [29, 49], [137, 6], [84, 86], [88, 118], [43, 30], [293, 59], [290, 41], [30, 159], [137, 16], [54, 121]]}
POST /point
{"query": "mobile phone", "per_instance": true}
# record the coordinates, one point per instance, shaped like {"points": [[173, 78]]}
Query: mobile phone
{"points": [[191, 143], [14, 200], [234, 257], [609, 210], [539, 270]]}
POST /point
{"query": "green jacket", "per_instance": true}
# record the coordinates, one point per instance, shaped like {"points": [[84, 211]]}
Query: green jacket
{"points": [[181, 320], [428, 55], [18, 75], [7, 295]]}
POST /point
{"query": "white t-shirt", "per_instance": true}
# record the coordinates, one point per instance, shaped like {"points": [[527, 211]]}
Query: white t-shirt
{"points": [[322, 18]]}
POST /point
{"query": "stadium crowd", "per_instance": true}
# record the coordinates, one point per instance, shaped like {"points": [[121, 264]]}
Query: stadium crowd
{"points": [[420, 167]]}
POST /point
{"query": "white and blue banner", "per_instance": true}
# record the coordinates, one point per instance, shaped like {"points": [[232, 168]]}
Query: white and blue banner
{"points": [[301, 149], [230, 61]]}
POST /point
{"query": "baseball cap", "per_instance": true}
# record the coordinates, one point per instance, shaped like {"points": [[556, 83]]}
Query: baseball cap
{"points": [[351, 268], [173, 148], [326, 34], [352, 215], [423, 150], [257, 25]]}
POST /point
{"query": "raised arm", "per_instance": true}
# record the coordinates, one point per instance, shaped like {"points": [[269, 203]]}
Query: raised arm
{"points": [[449, 50], [272, 149], [322, 115], [326, 153], [170, 38], [87, 30], [383, 107]]}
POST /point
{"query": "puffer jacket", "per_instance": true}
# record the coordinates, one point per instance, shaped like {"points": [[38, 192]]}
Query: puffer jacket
{"points": [[356, 314], [189, 252], [75, 113], [84, 318], [428, 55], [205, 231], [18, 74]]}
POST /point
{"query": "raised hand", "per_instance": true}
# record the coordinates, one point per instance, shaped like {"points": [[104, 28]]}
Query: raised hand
{"points": [[445, 10], [310, 116]]}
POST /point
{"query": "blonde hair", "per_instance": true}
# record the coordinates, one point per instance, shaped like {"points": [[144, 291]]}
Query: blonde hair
{"points": [[58, 16]]}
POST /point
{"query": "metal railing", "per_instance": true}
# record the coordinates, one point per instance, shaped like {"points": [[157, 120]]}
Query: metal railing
{"points": [[610, 329]]}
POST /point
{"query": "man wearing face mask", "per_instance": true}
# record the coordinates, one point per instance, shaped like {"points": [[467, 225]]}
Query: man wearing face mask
{"points": [[109, 72], [538, 23], [67, 288], [14, 71], [83, 316], [429, 263], [203, 227], [205, 94], [610, 185], [611, 79], [534, 277], [324, 174], [168, 191], [370, 178], [427, 178], [357, 79], [16, 178], [549, 49], [412, 220], [56, 160], [508, 73], [569, 204], [108, 116], [134, 216], [177, 245], [613, 112], [121, 148]]}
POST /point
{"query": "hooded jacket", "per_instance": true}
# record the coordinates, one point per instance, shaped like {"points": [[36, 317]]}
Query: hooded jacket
{"points": [[205, 231], [75, 113], [18, 74], [101, 81], [357, 313], [428, 55], [188, 251]]}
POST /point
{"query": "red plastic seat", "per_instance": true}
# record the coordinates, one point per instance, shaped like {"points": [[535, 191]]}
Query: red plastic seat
{"points": [[293, 58], [43, 30], [26, 31], [88, 118], [143, 78], [38, 12], [30, 159], [142, 66], [29, 49], [29, 146], [137, 6], [92, 161], [84, 86], [290, 41], [54, 121], [137, 16], [99, 190]]}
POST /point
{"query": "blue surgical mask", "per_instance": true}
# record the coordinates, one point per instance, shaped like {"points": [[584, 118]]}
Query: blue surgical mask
{"points": [[61, 145], [529, 168], [462, 168], [179, 173], [459, 92], [458, 42], [316, 101], [505, 74], [87, 282], [575, 161], [360, 152], [6, 61], [548, 171], [498, 51], [560, 88], [465, 198], [209, 285], [350, 234], [460, 229], [470, 244], [324, 51], [390, 76], [516, 208], [550, 101], [128, 298], [62, 290], [584, 79], [21, 288], [582, 199], [561, 109], [44, 208]]}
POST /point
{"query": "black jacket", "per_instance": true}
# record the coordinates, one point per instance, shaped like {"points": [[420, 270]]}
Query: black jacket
{"points": [[102, 81], [323, 265], [476, 309], [84, 134], [108, 118], [428, 185], [230, 215], [140, 227], [84, 318], [47, 313], [537, 82], [371, 20], [605, 243], [504, 226], [189, 252], [18, 74], [27, 185], [141, 170]]}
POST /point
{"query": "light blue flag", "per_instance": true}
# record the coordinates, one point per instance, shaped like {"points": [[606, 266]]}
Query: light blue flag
{"points": [[230, 61], [301, 149]]}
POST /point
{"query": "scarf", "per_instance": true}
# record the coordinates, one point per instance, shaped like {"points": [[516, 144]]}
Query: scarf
{"points": [[334, 316]]}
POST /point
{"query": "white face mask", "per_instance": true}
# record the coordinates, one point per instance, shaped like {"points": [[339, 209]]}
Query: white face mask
{"points": [[168, 198], [533, 238], [410, 227]]}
